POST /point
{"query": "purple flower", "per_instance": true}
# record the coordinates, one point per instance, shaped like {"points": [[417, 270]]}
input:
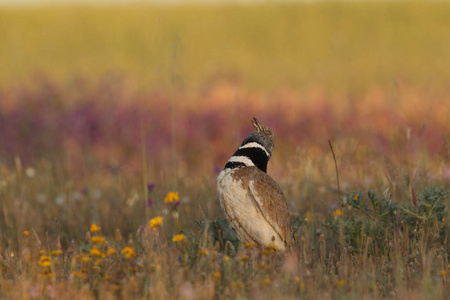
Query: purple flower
{"points": [[175, 204], [84, 190], [150, 186], [148, 203]]}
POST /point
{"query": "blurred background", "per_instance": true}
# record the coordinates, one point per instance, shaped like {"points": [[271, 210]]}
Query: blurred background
{"points": [[100, 98]]}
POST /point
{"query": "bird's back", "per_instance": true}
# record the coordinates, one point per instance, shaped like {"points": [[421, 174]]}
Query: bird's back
{"points": [[255, 206]]}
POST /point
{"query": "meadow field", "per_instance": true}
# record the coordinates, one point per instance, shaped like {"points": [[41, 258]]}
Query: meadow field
{"points": [[116, 120]]}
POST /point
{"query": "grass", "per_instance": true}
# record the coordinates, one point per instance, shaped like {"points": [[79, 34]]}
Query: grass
{"points": [[107, 112], [354, 245], [67, 166]]}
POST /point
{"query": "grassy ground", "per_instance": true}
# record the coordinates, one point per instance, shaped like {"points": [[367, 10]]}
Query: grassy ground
{"points": [[106, 110]]}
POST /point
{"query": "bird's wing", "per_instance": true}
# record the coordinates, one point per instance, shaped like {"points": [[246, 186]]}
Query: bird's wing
{"points": [[271, 201]]}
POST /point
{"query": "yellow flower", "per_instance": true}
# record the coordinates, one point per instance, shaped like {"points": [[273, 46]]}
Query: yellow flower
{"points": [[265, 252], [98, 240], [203, 252], [55, 252], [178, 238], [448, 267], [261, 266], [111, 251], [45, 261], [97, 262], [338, 213], [155, 222], [266, 281], [172, 197], [226, 258], [95, 228], [86, 259], [95, 252], [217, 275], [271, 247], [244, 258], [443, 273], [340, 282], [128, 252], [249, 245], [26, 233], [301, 284], [308, 214]]}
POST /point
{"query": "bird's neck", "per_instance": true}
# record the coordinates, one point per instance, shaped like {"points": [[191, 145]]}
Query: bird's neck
{"points": [[249, 154]]}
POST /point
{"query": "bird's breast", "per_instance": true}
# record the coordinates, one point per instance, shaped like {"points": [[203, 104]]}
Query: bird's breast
{"points": [[231, 190]]}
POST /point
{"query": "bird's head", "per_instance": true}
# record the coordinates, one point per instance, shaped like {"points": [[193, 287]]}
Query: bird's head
{"points": [[262, 135]]}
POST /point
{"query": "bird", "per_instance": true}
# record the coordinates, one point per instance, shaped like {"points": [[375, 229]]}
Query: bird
{"points": [[250, 199]]}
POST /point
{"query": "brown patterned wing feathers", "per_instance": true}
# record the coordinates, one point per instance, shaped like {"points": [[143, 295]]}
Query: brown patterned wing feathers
{"points": [[270, 200]]}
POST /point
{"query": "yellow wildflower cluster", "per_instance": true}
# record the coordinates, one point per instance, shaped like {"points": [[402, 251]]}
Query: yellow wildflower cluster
{"points": [[98, 240], [244, 258], [271, 247], [340, 282], [249, 245], [178, 238], [128, 252], [111, 251], [172, 197], [203, 252], [55, 253], [95, 252], [266, 251], [84, 257], [95, 228], [25, 233], [338, 213], [155, 222], [45, 261], [301, 284]]}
